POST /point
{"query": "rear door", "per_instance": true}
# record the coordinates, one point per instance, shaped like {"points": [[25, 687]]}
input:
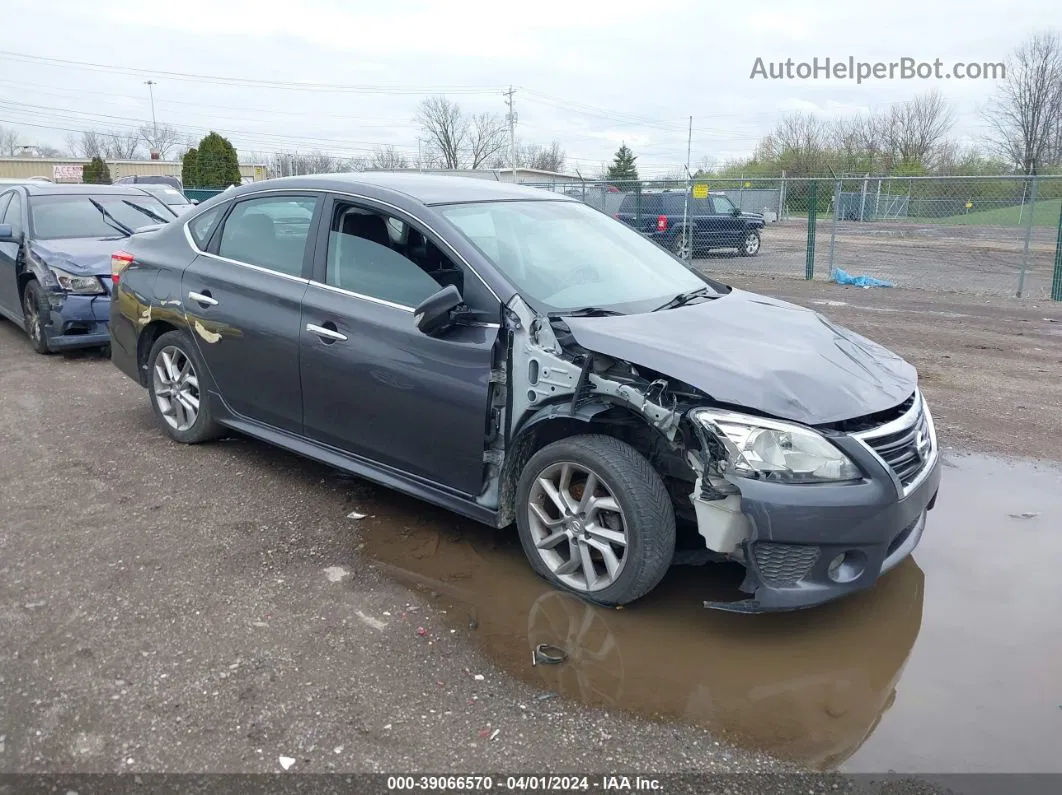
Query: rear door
{"points": [[243, 301]]}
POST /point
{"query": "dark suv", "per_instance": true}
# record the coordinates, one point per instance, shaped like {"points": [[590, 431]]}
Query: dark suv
{"points": [[714, 222]]}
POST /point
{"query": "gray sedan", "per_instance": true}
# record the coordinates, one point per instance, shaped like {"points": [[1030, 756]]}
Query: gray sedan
{"points": [[521, 358]]}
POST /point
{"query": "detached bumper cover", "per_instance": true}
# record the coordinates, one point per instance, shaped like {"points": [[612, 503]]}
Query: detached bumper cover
{"points": [[799, 530], [78, 321]]}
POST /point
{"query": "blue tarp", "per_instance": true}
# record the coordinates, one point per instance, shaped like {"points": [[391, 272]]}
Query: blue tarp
{"points": [[844, 277]]}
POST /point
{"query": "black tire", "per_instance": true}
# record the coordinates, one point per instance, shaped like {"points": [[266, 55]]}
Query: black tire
{"points": [[750, 244], [677, 242], [640, 493], [204, 427], [34, 313]]}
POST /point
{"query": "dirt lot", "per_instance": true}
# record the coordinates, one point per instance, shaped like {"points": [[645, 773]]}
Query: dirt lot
{"points": [[213, 608], [982, 260]]}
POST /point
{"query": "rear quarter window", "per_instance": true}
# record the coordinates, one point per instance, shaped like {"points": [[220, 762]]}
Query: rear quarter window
{"points": [[202, 226]]}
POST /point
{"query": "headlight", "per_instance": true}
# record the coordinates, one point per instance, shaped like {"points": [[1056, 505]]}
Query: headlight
{"points": [[79, 285], [778, 451]]}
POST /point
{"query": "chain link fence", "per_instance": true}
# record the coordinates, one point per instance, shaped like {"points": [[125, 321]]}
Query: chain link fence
{"points": [[983, 235]]}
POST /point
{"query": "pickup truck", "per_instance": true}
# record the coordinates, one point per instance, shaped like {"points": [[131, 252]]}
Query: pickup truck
{"points": [[714, 222]]}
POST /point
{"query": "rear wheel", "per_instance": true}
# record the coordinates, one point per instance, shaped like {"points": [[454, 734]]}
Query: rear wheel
{"points": [[682, 246], [178, 388], [750, 246], [594, 518], [34, 314]]}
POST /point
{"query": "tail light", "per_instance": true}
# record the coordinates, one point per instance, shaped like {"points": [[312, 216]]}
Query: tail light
{"points": [[661, 223], [120, 260]]}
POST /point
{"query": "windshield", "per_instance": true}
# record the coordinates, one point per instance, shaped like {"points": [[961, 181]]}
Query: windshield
{"points": [[563, 256], [55, 217], [170, 196]]}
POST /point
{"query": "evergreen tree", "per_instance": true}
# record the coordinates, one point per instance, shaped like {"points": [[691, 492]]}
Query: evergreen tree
{"points": [[622, 171], [190, 169], [216, 163], [96, 172]]}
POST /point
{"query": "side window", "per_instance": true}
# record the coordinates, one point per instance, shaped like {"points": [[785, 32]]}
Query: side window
{"points": [[13, 216], [383, 257], [270, 232], [202, 227], [5, 198], [723, 205]]}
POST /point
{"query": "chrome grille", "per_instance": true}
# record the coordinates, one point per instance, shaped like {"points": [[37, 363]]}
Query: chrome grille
{"points": [[906, 445]]}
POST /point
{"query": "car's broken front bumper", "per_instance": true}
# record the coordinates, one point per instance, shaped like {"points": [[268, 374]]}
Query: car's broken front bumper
{"points": [[77, 321], [810, 544]]}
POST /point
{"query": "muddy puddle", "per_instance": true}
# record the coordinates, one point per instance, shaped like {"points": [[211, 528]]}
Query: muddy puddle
{"points": [[953, 662]]}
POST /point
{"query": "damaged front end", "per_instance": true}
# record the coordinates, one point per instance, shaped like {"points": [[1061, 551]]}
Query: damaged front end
{"points": [[811, 512]]}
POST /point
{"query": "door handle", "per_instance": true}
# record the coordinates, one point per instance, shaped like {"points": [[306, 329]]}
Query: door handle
{"points": [[203, 298], [327, 335]]}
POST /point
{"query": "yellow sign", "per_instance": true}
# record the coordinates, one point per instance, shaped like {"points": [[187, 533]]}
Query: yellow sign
{"points": [[700, 190], [969, 205]]}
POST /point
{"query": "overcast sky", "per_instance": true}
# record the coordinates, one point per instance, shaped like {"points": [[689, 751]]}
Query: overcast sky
{"points": [[589, 74]]}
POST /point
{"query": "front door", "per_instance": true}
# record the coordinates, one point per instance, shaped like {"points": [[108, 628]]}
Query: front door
{"points": [[10, 213], [373, 385], [243, 302]]}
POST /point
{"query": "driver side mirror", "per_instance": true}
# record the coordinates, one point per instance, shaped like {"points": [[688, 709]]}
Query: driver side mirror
{"points": [[434, 314], [7, 234], [194, 201], [736, 212]]}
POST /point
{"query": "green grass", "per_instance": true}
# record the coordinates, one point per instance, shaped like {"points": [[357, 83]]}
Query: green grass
{"points": [[1046, 215]]}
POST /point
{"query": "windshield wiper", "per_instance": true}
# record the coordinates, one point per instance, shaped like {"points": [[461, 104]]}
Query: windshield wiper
{"points": [[586, 311], [149, 213], [684, 298], [110, 219]]}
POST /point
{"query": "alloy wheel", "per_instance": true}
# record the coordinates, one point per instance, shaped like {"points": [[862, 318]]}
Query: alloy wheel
{"points": [[752, 243], [682, 247], [176, 388], [32, 313], [578, 527]]}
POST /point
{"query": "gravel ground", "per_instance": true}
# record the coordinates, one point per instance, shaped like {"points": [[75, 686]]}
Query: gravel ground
{"points": [[209, 609], [980, 260]]}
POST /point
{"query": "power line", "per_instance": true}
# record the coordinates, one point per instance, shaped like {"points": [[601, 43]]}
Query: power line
{"points": [[247, 81]]}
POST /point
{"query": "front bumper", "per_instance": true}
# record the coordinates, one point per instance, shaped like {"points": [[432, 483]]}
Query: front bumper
{"points": [[77, 321], [797, 531]]}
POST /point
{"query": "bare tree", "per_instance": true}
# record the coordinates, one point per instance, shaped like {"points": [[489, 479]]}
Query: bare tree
{"points": [[801, 141], [916, 128], [1025, 115], [49, 151], [544, 158], [121, 145], [8, 142], [486, 137], [87, 144], [387, 158], [162, 139], [446, 128]]}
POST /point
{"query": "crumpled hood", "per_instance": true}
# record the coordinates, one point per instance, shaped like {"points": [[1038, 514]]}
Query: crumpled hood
{"points": [[81, 256], [756, 352]]}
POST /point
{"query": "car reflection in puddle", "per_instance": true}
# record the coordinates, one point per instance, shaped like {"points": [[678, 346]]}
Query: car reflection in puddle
{"points": [[809, 686]]}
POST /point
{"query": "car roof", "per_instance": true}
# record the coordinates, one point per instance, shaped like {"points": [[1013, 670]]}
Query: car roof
{"points": [[51, 189], [424, 188]]}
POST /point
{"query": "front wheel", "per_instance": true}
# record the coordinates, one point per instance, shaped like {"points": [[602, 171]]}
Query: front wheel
{"points": [[595, 518], [750, 246], [34, 314], [178, 390]]}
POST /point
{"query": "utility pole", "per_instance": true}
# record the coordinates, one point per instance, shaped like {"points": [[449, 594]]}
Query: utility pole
{"points": [[511, 118], [154, 124]]}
